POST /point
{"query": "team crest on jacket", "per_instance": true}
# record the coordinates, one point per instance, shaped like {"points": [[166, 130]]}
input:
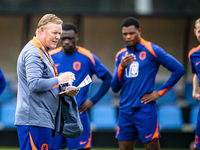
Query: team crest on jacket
{"points": [[142, 55], [76, 65]]}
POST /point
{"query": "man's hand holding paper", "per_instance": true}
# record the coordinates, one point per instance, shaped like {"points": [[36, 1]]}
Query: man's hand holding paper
{"points": [[71, 90], [85, 82]]}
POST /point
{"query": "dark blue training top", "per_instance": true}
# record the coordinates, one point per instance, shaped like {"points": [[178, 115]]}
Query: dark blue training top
{"points": [[139, 77]]}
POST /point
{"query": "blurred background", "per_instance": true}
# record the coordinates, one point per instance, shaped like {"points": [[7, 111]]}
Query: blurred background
{"points": [[167, 23]]}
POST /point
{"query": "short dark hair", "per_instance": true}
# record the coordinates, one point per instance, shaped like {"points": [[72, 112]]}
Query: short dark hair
{"points": [[70, 26], [130, 21]]}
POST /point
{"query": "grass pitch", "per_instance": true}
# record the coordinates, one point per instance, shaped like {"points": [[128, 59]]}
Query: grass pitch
{"points": [[15, 148]]}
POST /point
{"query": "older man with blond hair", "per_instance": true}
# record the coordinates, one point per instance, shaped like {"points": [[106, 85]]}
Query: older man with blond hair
{"points": [[38, 86]]}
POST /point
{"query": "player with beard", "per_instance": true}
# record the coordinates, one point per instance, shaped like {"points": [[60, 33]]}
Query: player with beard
{"points": [[82, 62], [136, 67]]}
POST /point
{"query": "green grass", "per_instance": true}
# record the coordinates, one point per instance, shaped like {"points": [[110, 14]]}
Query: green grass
{"points": [[134, 149], [14, 148], [9, 148]]}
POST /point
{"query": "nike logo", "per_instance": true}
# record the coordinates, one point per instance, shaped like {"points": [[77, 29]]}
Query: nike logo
{"points": [[197, 63], [148, 136], [57, 65], [81, 143]]}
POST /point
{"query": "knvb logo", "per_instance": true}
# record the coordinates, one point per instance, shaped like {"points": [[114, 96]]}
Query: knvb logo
{"points": [[45, 146], [76, 65], [142, 55]]}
